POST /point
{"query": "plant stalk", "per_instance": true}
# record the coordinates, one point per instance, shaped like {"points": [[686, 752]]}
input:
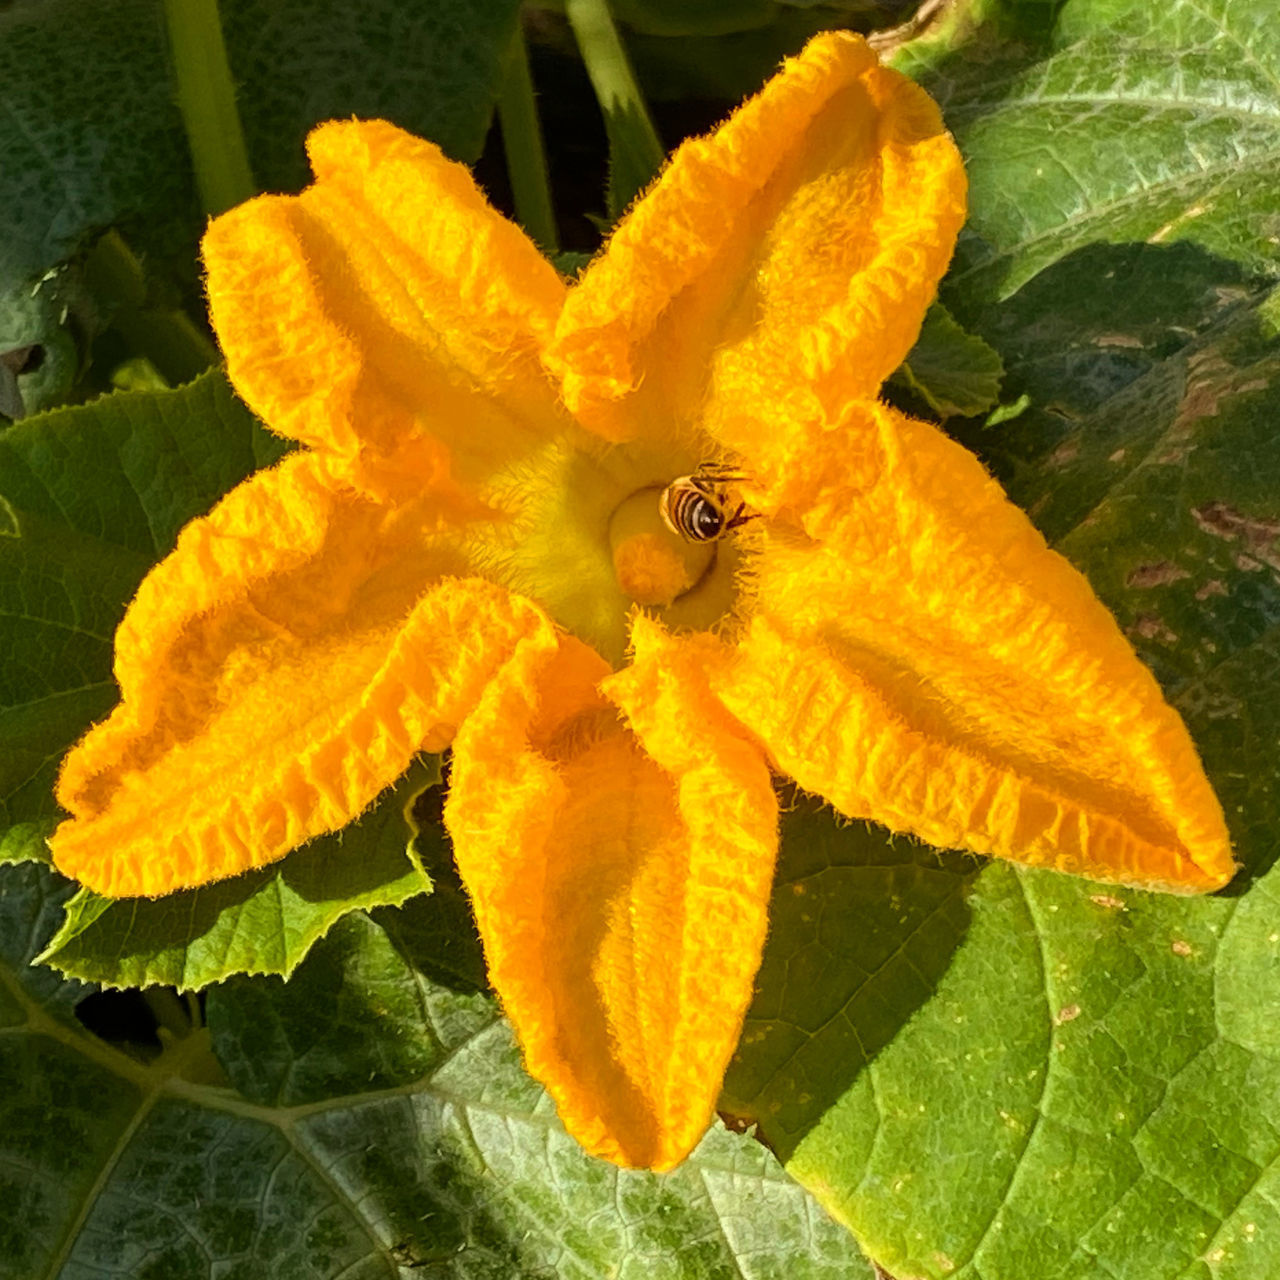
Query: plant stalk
{"points": [[522, 144], [169, 338], [207, 100], [635, 151]]}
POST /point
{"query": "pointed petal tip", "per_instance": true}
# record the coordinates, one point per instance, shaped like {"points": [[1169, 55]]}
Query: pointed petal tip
{"points": [[920, 657], [814, 222]]}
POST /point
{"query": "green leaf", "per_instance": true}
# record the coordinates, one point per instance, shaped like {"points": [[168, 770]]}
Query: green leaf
{"points": [[26, 842], [286, 1045], [1023, 1073], [31, 902], [954, 371], [264, 921], [434, 69], [380, 1126], [61, 595], [635, 151], [693, 17], [1110, 120], [1103, 344], [37, 350], [437, 935], [96, 138], [862, 925], [93, 496], [714, 52], [84, 82]]}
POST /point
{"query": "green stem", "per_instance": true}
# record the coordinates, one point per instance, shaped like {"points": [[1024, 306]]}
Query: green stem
{"points": [[207, 100], [169, 1011], [636, 153], [522, 144], [169, 338]]}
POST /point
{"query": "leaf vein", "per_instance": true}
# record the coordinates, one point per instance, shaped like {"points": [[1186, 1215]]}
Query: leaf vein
{"points": [[1038, 928]]}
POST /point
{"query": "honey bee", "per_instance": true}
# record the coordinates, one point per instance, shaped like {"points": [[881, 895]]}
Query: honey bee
{"points": [[695, 506]]}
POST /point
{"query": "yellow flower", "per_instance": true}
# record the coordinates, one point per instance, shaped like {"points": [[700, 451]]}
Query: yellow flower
{"points": [[469, 553]]}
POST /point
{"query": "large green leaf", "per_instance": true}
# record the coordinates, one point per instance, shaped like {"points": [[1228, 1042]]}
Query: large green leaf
{"points": [[38, 354], [96, 138], [862, 927], [1109, 120], [955, 372], [718, 52], [432, 67], [94, 134], [379, 1126], [1068, 1080]]}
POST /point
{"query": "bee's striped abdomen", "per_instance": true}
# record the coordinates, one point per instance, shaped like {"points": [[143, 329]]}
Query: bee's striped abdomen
{"points": [[690, 511]]}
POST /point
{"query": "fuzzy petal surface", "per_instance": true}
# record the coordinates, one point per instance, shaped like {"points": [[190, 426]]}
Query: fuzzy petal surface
{"points": [[387, 315], [920, 657], [620, 876], [790, 254], [278, 670]]}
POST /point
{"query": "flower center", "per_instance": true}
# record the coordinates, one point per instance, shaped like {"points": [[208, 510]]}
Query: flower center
{"points": [[654, 566]]}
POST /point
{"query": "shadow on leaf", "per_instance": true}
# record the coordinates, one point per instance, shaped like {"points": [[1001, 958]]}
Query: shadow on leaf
{"points": [[863, 925]]}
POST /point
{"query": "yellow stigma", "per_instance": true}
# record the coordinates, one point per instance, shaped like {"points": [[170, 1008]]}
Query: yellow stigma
{"points": [[649, 571], [654, 566]]}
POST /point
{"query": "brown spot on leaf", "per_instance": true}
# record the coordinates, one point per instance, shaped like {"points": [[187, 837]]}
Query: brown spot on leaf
{"points": [[1159, 574], [1180, 948], [926, 16], [20, 360], [1068, 1013], [1227, 295], [1149, 627], [1208, 383], [1162, 233], [1226, 522], [1065, 453], [1118, 456], [1117, 340], [738, 1124], [1214, 587], [1110, 901], [1257, 536]]}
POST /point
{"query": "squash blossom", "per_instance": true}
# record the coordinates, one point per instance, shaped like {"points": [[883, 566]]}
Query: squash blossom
{"points": [[469, 553]]}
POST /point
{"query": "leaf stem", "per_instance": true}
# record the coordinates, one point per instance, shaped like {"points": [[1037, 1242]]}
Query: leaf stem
{"points": [[169, 1011], [169, 338], [207, 100], [636, 153], [522, 145]]}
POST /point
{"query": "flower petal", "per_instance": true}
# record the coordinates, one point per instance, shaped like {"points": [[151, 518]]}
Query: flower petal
{"points": [[621, 895], [386, 311], [797, 247], [278, 669], [920, 657]]}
